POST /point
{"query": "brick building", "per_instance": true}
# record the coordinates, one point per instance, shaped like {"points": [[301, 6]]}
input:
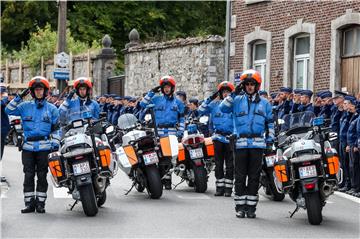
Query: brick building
{"points": [[302, 44]]}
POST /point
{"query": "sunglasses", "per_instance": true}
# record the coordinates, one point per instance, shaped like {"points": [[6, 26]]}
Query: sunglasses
{"points": [[250, 84]]}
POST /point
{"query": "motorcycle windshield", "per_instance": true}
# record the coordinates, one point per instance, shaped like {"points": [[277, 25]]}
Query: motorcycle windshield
{"points": [[297, 120], [83, 112], [127, 121]]}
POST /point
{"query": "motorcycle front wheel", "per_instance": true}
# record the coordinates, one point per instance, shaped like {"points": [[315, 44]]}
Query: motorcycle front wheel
{"points": [[88, 200], [313, 208], [154, 184]]}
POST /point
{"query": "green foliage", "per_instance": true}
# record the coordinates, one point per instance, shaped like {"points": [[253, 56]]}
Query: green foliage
{"points": [[43, 43], [89, 21]]}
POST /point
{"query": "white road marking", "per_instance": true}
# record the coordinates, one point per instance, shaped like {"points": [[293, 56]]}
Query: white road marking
{"points": [[191, 197], [351, 198]]}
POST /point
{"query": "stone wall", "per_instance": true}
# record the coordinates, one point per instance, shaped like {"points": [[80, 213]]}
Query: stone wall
{"points": [[197, 64], [99, 67]]}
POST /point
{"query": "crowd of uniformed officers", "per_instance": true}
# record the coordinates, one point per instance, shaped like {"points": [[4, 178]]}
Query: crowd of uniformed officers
{"points": [[244, 110]]}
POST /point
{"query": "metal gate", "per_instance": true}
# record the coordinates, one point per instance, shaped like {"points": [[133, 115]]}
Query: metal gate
{"points": [[116, 85]]}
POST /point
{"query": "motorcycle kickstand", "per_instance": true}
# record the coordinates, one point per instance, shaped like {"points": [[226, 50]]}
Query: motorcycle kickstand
{"points": [[292, 213], [132, 186], [71, 208]]}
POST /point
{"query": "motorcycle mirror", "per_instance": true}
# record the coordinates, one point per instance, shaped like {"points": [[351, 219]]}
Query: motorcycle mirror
{"points": [[148, 118], [204, 119], [280, 121], [109, 129]]}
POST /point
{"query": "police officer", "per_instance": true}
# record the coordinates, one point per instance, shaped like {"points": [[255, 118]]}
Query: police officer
{"points": [[296, 101], [352, 149], [5, 124], [264, 94], [82, 88], [305, 100], [285, 102], [110, 107], [181, 95], [337, 111], [323, 105], [193, 108], [39, 119], [252, 117], [344, 155], [169, 111], [116, 111], [223, 126]]}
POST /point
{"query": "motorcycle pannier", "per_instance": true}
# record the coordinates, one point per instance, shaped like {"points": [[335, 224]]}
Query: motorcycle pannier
{"points": [[282, 172], [332, 165], [181, 156], [209, 146], [105, 157], [56, 167]]}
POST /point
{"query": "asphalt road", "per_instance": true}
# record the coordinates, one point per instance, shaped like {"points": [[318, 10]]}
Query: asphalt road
{"points": [[180, 213]]}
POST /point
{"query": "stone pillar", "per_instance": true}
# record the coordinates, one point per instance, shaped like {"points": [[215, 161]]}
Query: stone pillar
{"points": [[134, 38], [104, 65]]}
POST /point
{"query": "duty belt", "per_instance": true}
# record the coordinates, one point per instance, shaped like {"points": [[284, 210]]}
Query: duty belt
{"points": [[37, 138], [222, 133], [166, 126], [250, 136]]}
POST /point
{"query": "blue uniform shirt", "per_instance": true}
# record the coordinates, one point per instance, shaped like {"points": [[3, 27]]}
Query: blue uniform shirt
{"points": [[38, 120]]}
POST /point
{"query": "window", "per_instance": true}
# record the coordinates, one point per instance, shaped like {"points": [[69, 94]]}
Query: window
{"points": [[259, 59], [351, 41], [301, 62]]}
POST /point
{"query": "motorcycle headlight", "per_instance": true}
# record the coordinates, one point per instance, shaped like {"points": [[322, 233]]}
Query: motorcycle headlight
{"points": [[109, 129]]}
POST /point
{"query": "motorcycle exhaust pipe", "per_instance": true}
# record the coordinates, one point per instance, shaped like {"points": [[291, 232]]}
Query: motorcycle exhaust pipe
{"points": [[327, 189], [182, 167], [100, 183]]}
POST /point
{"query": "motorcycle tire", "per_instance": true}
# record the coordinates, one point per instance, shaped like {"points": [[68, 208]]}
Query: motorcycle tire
{"points": [[14, 139], [88, 200], [274, 194], [313, 208], [200, 183], [190, 183], [154, 184], [101, 199], [140, 188]]}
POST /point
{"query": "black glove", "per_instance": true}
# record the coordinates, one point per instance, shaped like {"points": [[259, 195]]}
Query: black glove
{"points": [[238, 89], [213, 96], [24, 93], [71, 94], [156, 89], [269, 149]]}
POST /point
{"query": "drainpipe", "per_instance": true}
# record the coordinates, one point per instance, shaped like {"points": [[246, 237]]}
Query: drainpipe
{"points": [[227, 39]]}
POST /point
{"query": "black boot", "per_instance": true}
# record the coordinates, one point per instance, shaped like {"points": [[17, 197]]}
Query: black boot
{"points": [[228, 192], [167, 184], [251, 212], [219, 191], [29, 207], [40, 208], [240, 211]]}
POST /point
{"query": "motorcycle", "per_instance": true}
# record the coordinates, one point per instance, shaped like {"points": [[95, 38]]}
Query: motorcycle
{"points": [[15, 135], [84, 163], [306, 165], [267, 168], [267, 178], [196, 157], [140, 153]]}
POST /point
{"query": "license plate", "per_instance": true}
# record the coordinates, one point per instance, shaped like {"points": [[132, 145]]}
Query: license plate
{"points": [[270, 160], [81, 168], [150, 158], [18, 126], [196, 153], [307, 172]]}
